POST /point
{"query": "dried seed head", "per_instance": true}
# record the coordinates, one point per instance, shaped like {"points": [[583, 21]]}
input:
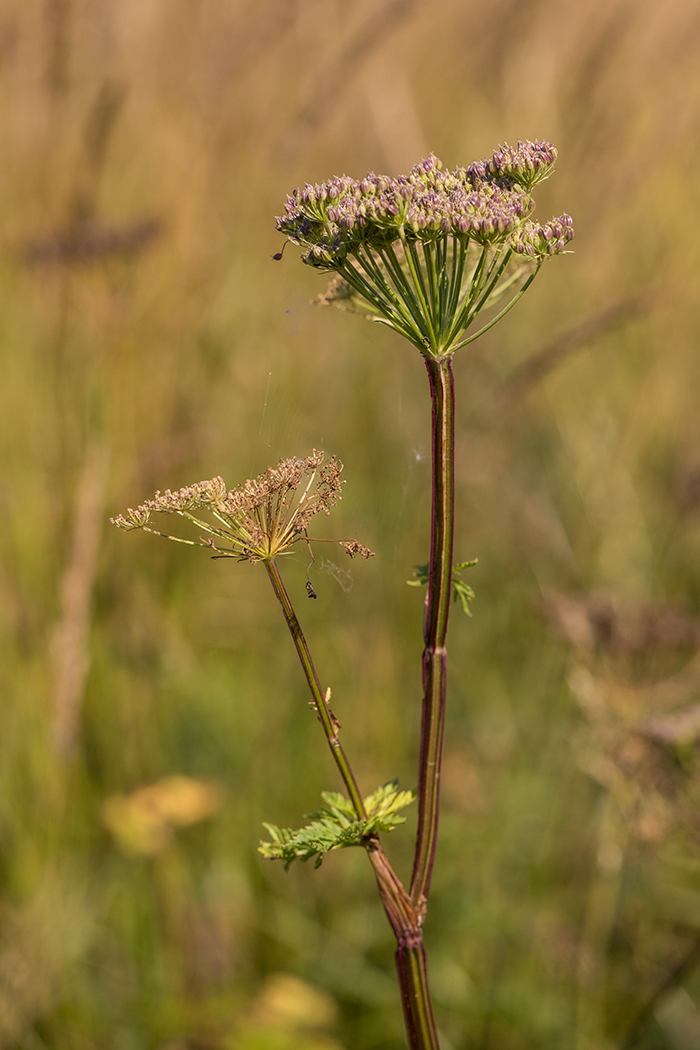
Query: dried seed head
{"points": [[262, 518], [353, 547], [203, 494]]}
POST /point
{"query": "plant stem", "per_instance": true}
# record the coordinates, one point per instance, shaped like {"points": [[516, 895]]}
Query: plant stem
{"points": [[411, 963], [326, 717], [437, 610], [405, 919]]}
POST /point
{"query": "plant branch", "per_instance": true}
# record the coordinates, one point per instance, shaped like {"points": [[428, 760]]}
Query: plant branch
{"points": [[435, 624], [411, 962], [504, 311], [405, 919], [326, 717]]}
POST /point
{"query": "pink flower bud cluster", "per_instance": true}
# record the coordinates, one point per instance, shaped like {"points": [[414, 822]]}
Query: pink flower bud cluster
{"points": [[526, 164], [538, 241], [488, 202]]}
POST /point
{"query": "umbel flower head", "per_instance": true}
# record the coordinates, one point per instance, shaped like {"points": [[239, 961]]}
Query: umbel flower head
{"points": [[426, 252], [263, 518]]}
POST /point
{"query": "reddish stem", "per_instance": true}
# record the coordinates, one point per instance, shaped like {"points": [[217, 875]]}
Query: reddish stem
{"points": [[437, 609]]}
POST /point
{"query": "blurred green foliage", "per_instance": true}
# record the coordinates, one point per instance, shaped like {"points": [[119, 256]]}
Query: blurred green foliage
{"points": [[148, 341]]}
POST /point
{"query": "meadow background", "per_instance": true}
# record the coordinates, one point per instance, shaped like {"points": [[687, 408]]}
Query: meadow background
{"points": [[148, 340]]}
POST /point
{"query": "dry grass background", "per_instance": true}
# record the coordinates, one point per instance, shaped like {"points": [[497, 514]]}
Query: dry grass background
{"points": [[148, 341]]}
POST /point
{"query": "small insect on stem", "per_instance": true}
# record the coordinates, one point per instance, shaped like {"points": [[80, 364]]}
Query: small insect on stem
{"points": [[309, 586]]}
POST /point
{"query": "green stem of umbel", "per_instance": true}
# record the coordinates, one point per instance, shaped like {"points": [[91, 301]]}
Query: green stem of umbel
{"points": [[405, 919]]}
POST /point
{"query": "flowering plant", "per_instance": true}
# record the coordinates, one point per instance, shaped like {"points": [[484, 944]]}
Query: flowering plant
{"points": [[425, 254]]}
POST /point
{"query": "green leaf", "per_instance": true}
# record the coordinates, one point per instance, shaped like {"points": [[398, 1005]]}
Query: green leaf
{"points": [[388, 800], [461, 591], [460, 566], [335, 826], [422, 576]]}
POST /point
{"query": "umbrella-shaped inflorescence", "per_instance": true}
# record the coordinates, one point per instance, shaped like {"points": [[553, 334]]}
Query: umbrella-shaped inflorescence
{"points": [[426, 252], [262, 518]]}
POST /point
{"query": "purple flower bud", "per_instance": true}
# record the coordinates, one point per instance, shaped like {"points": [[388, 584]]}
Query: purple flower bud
{"points": [[489, 200]]}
